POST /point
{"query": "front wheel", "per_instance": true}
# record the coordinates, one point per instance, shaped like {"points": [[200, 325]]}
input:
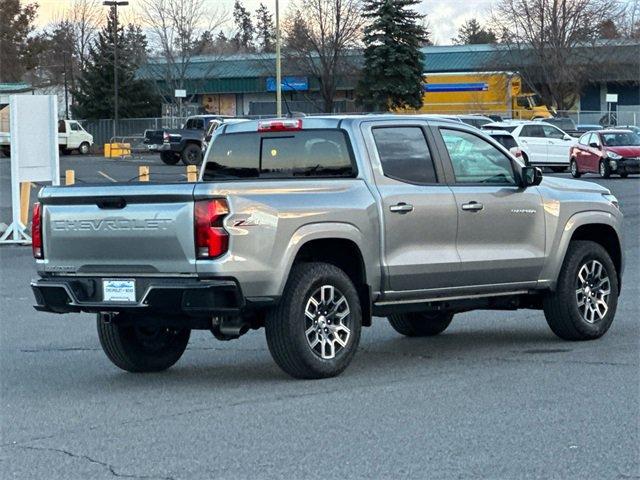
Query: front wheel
{"points": [[314, 331], [421, 324], [141, 349], [192, 154], [586, 296], [575, 173], [604, 169], [624, 174]]}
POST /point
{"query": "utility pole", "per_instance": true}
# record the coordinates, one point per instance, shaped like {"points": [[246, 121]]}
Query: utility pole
{"points": [[114, 4], [66, 86], [278, 64]]}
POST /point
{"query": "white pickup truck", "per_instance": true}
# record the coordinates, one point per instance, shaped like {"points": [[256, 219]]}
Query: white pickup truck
{"points": [[71, 136]]}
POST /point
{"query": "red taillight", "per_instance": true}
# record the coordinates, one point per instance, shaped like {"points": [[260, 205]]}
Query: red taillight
{"points": [[516, 151], [212, 240], [36, 231], [166, 138], [280, 125]]}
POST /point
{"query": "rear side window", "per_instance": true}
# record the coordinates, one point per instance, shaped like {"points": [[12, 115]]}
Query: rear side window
{"points": [[507, 141], [532, 131], [307, 153], [404, 154]]}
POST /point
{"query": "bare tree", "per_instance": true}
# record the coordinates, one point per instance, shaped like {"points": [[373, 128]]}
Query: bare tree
{"points": [[555, 44], [318, 37], [175, 30], [84, 17]]}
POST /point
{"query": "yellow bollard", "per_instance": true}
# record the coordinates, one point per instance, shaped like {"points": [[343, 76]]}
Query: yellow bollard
{"points": [[192, 173], [25, 196], [143, 173], [69, 177]]}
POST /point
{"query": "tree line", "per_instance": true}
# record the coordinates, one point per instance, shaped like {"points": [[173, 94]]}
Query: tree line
{"points": [[320, 39]]}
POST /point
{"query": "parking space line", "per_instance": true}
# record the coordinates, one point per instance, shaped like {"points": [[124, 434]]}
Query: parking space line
{"points": [[107, 177]]}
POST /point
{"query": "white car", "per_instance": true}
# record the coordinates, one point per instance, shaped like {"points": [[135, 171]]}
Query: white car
{"points": [[542, 144]]}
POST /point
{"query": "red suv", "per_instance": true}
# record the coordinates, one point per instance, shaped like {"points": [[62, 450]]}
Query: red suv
{"points": [[606, 152]]}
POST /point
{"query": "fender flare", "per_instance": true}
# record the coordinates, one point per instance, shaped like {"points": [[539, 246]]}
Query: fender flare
{"points": [[325, 231], [561, 242]]}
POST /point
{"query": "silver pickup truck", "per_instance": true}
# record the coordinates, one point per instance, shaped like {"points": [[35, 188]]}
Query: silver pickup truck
{"points": [[311, 227]]}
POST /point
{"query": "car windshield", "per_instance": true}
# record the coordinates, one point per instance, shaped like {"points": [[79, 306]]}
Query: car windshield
{"points": [[621, 139], [562, 123]]}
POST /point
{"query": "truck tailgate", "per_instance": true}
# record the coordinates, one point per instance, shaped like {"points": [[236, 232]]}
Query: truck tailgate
{"points": [[118, 229]]}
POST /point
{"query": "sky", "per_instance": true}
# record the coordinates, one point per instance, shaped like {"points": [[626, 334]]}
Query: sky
{"points": [[444, 16]]}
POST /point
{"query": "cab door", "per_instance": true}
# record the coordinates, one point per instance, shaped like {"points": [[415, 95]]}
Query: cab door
{"points": [[418, 209], [75, 134], [501, 226]]}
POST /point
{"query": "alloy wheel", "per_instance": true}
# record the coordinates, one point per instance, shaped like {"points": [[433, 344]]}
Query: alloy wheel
{"points": [[327, 322], [592, 292]]}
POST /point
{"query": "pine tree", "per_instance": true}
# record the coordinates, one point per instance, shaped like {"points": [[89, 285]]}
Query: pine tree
{"points": [[393, 63], [94, 93], [265, 31], [471, 32], [244, 27]]}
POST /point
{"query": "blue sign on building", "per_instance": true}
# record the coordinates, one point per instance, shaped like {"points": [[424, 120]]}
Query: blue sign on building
{"points": [[289, 84]]}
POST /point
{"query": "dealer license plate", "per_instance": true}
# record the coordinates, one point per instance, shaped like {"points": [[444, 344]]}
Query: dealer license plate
{"points": [[121, 291]]}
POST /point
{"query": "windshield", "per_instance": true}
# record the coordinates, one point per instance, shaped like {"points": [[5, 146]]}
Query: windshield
{"points": [[536, 100], [562, 123], [305, 153], [621, 139]]}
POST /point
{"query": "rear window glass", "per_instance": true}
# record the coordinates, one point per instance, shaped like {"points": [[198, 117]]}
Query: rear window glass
{"points": [[307, 153], [506, 128]]}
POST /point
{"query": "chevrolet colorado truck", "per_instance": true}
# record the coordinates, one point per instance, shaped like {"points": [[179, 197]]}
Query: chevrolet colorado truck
{"points": [[311, 227]]}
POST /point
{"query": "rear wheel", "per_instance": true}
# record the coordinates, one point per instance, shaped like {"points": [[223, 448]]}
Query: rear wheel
{"points": [[604, 169], [192, 154], [624, 174], [169, 158], [525, 159], [421, 324], [314, 331], [575, 173], [84, 148], [586, 297], [141, 349]]}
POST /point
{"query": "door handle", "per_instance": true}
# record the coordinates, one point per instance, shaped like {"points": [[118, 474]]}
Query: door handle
{"points": [[472, 206], [401, 208]]}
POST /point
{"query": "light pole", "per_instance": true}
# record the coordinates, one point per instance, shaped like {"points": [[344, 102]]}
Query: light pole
{"points": [[115, 4], [278, 64]]}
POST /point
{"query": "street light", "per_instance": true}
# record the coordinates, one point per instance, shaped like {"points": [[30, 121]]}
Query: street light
{"points": [[115, 4], [278, 65]]}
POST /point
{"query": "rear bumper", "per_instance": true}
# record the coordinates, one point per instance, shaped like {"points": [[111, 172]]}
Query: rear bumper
{"points": [[169, 296]]}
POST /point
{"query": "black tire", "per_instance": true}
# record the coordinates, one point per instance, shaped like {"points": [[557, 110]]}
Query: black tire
{"points": [[624, 174], [561, 307], [192, 154], [169, 158], [140, 349], [84, 148], [6, 151], [287, 325], [558, 169], [604, 169], [575, 172], [421, 324]]}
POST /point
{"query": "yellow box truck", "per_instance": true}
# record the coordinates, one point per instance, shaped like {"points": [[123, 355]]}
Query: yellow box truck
{"points": [[498, 93]]}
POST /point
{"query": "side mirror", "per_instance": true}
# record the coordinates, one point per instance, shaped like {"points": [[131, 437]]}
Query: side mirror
{"points": [[531, 176], [594, 145]]}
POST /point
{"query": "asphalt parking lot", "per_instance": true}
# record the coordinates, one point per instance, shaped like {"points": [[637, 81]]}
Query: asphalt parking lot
{"points": [[496, 396]]}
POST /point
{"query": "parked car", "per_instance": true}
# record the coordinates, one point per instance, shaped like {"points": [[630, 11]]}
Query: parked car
{"points": [[588, 127], [605, 152], [542, 144], [311, 227], [474, 120], [507, 141], [565, 124], [181, 144], [633, 128], [71, 137]]}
